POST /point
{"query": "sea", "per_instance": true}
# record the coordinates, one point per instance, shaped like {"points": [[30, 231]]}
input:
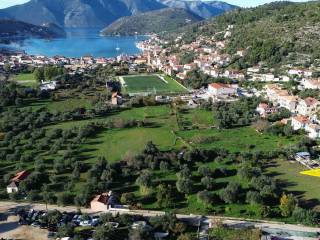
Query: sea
{"points": [[79, 42]]}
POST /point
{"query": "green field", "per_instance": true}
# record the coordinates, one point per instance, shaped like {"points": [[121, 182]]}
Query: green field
{"points": [[303, 186], [169, 129], [151, 84], [25, 79]]}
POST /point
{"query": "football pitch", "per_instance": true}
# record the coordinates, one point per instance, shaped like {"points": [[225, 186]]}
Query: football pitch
{"points": [[151, 84]]}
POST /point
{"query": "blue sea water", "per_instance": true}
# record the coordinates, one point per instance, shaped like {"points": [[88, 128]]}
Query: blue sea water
{"points": [[80, 42]]}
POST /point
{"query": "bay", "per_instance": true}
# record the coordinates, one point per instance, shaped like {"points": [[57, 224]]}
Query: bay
{"points": [[80, 42]]}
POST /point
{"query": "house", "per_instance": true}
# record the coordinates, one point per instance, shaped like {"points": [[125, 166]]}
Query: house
{"points": [[288, 102], [100, 202], [14, 182], [313, 130], [12, 188], [308, 106], [106, 202], [264, 109], [221, 89], [302, 156], [192, 104], [311, 83], [20, 176], [299, 122], [46, 86], [274, 91], [296, 71], [116, 99]]}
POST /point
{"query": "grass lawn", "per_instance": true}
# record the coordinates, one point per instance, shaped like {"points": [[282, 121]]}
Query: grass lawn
{"points": [[151, 83], [26, 79], [237, 139], [288, 174]]}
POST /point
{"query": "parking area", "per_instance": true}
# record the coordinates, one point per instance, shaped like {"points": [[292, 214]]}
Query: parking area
{"points": [[11, 229]]}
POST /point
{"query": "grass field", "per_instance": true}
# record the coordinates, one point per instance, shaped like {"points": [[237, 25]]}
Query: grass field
{"points": [[168, 128], [25, 79], [303, 186], [151, 83]]}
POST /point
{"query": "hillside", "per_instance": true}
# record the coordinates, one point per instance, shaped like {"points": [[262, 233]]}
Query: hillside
{"points": [[16, 29], [206, 9], [94, 13], [155, 21], [273, 33], [78, 13]]}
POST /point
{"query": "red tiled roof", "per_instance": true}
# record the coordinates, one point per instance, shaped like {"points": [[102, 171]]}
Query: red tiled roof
{"points": [[310, 101], [301, 119], [20, 176], [219, 85], [103, 198]]}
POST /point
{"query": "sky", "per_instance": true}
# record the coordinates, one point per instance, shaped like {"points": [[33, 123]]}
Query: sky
{"points": [[241, 3]]}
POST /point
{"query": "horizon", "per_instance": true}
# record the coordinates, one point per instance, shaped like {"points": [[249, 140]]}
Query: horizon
{"points": [[240, 3]]}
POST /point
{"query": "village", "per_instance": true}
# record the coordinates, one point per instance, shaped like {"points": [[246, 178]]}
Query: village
{"points": [[276, 91]]}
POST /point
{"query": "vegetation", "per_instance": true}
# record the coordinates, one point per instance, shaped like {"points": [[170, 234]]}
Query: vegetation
{"points": [[273, 33], [151, 84], [167, 19]]}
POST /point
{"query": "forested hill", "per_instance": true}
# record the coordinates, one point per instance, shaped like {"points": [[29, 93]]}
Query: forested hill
{"points": [[155, 21], [16, 29], [270, 32]]}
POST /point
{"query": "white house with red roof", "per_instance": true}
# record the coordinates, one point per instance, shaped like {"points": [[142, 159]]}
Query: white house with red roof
{"points": [[264, 109], [299, 122], [221, 90], [311, 83], [308, 106]]}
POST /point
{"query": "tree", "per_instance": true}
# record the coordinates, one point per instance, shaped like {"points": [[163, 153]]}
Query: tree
{"points": [[204, 171], [145, 181], [307, 217], [151, 148], [205, 197], [104, 233], [230, 193], [207, 182], [46, 195], [66, 230], [140, 234], [253, 197], [164, 196], [65, 198], [128, 198], [39, 74], [287, 204], [184, 185], [184, 173], [54, 217]]}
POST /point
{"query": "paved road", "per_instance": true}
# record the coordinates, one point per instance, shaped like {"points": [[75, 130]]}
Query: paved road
{"points": [[193, 219]]}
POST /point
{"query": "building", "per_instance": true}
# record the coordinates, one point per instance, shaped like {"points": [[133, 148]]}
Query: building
{"points": [[308, 106], [288, 102], [311, 83], [264, 110], [299, 122], [12, 188], [116, 99], [20, 176], [14, 182], [100, 202], [221, 90], [313, 130]]}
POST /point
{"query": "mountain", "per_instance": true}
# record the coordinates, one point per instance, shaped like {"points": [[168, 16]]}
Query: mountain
{"points": [[12, 29], [276, 33], [167, 19], [100, 13], [78, 13], [203, 9]]}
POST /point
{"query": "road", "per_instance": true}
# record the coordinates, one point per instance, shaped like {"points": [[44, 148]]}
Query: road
{"points": [[192, 219]]}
